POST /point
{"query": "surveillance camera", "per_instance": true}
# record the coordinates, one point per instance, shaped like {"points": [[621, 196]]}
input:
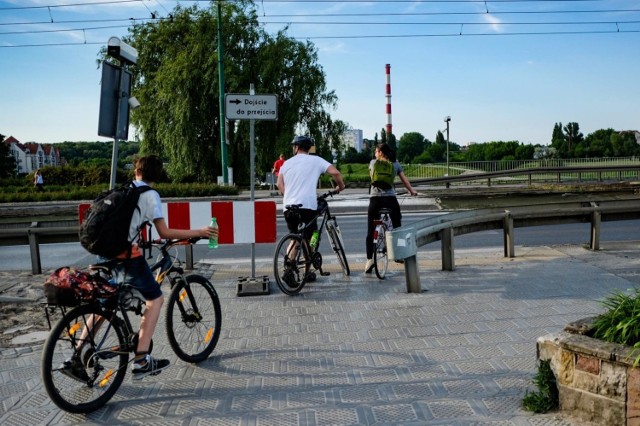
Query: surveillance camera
{"points": [[134, 103], [122, 51]]}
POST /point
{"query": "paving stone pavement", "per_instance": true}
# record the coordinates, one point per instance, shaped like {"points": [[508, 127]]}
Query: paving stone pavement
{"points": [[357, 350]]}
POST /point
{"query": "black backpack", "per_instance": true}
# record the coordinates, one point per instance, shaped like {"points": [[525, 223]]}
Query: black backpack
{"points": [[105, 229]]}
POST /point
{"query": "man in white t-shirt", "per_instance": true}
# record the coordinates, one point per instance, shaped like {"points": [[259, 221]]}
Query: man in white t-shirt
{"points": [[298, 179]]}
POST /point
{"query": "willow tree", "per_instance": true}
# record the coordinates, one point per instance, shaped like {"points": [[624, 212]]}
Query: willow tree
{"points": [[176, 81]]}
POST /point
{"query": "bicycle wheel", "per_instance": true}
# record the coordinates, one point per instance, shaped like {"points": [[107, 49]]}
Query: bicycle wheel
{"points": [[290, 265], [380, 258], [82, 364], [338, 247], [194, 318]]}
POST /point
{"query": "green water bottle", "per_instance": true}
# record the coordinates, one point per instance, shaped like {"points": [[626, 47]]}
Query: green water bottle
{"points": [[213, 241], [314, 239]]}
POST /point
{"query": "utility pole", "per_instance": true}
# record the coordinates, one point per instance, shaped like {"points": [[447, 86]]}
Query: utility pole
{"points": [[447, 119], [223, 138]]}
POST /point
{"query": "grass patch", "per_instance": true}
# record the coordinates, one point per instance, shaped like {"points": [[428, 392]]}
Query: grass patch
{"points": [[547, 397]]}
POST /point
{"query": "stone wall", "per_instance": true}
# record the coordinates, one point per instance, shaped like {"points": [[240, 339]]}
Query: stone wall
{"points": [[596, 380]]}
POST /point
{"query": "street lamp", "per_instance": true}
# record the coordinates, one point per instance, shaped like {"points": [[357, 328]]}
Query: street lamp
{"points": [[447, 119]]}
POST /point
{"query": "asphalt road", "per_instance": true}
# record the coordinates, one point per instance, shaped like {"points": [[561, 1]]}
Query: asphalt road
{"points": [[353, 229]]}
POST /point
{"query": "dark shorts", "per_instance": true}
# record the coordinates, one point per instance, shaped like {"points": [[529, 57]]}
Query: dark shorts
{"points": [[305, 216], [139, 276]]}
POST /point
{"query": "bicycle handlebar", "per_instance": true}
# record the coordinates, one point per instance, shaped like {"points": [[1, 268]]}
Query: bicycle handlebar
{"points": [[327, 194], [164, 244]]}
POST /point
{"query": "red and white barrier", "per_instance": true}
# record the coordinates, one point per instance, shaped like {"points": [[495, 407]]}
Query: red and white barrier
{"points": [[238, 221]]}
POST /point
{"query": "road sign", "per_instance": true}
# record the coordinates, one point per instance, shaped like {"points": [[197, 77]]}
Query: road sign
{"points": [[250, 107]]}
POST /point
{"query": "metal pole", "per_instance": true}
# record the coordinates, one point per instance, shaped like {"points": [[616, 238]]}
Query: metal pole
{"points": [[252, 167], [448, 146], [114, 155], [223, 139]]}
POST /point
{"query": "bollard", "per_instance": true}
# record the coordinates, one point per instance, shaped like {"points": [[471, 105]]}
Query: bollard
{"points": [[34, 248]]}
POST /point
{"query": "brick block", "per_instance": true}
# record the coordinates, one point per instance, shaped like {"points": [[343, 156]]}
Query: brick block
{"points": [[633, 396], [588, 364]]}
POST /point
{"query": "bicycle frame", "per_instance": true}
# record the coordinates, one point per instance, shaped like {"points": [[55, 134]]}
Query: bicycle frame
{"points": [[326, 216], [295, 262]]}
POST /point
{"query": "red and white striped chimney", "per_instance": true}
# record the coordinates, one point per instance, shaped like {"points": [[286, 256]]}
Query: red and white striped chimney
{"points": [[388, 95]]}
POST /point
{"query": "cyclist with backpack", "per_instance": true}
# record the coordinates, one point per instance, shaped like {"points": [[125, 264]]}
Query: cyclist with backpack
{"points": [[97, 235], [383, 170]]}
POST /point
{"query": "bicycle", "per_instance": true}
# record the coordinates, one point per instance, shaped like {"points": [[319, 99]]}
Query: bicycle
{"points": [[84, 360], [380, 254], [295, 262]]}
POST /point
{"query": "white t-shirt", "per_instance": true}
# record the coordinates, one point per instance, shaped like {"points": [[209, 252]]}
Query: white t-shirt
{"points": [[150, 209], [300, 174]]}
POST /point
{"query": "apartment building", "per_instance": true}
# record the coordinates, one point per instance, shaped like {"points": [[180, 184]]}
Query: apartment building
{"points": [[31, 156]]}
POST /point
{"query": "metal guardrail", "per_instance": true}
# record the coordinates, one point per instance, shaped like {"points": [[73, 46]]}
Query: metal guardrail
{"points": [[34, 235], [404, 241], [578, 171]]}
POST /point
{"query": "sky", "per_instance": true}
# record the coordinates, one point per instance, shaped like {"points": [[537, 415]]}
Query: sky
{"points": [[505, 70]]}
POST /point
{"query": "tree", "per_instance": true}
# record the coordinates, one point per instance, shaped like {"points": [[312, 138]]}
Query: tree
{"points": [[525, 152], [412, 144], [7, 162], [558, 141], [176, 80], [573, 136]]}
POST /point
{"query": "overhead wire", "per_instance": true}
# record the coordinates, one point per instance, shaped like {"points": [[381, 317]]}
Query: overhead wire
{"points": [[266, 19]]}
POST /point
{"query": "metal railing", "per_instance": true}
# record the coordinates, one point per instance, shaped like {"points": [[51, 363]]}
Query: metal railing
{"points": [[404, 241], [522, 171], [575, 174], [35, 235]]}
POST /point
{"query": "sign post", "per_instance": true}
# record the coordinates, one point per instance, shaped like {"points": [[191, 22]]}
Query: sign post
{"points": [[251, 107]]}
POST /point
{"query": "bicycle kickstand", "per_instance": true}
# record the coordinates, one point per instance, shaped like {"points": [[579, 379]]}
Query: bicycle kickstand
{"points": [[322, 273]]}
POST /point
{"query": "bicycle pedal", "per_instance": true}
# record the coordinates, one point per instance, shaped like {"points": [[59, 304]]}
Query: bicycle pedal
{"points": [[325, 274]]}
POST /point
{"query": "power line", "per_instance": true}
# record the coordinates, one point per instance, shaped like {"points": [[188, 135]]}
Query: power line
{"points": [[447, 23], [265, 20], [68, 5], [460, 34], [111, 2], [379, 36]]}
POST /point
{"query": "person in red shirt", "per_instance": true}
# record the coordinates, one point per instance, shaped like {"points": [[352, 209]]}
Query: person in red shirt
{"points": [[276, 166], [275, 171]]}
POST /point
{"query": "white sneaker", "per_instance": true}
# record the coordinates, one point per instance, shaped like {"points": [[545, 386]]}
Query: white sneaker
{"points": [[369, 266]]}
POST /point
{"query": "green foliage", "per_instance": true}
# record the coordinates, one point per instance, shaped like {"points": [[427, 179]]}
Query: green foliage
{"points": [[547, 397], [568, 140], [352, 156], [79, 176], [73, 193], [177, 80], [620, 323], [7, 162], [69, 183], [412, 144], [97, 153]]}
